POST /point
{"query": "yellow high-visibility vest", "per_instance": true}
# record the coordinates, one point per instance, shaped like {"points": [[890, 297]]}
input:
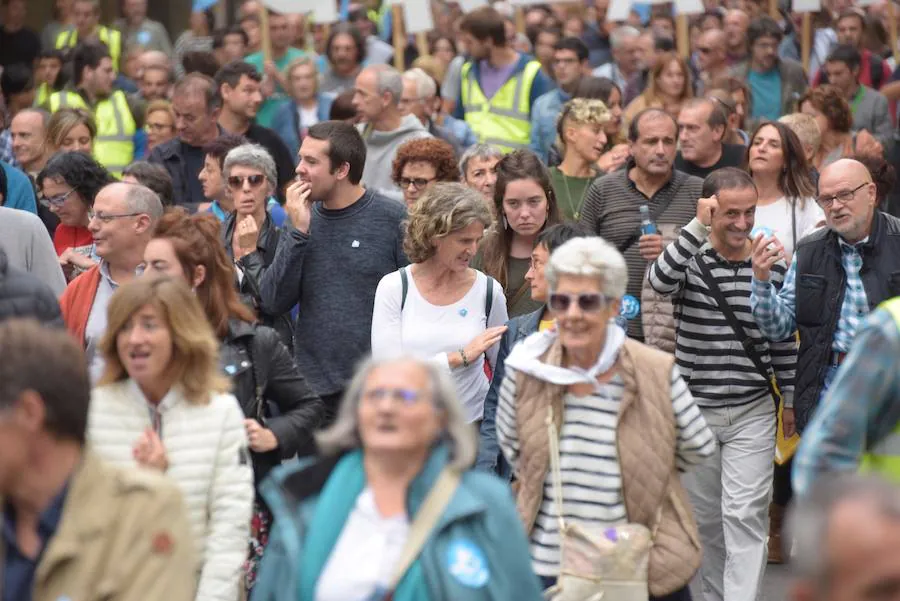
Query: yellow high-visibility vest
{"points": [[114, 146], [503, 121], [68, 38], [884, 457]]}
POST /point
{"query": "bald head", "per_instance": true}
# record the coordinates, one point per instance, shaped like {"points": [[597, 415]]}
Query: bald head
{"points": [[713, 51], [736, 24], [155, 58], [848, 196]]}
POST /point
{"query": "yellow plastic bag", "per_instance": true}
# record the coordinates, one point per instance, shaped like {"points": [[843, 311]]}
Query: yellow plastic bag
{"points": [[784, 447]]}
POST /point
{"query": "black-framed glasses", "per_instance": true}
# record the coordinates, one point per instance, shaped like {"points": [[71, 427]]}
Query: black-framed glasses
{"points": [[60, 199], [844, 197], [404, 396], [109, 217], [236, 182], [417, 182], [590, 302]]}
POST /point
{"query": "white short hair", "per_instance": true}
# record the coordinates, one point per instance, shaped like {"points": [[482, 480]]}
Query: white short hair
{"points": [[425, 86], [592, 257], [622, 33]]}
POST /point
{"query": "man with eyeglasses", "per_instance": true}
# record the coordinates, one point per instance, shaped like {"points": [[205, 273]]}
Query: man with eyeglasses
{"points": [[837, 275], [775, 83], [121, 221], [570, 63], [729, 366]]}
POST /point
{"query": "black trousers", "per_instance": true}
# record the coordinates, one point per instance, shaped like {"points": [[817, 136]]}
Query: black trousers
{"points": [[782, 492]]}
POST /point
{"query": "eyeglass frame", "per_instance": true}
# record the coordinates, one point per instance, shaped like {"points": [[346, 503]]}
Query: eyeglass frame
{"points": [[60, 199], [413, 181], [104, 218], [848, 196]]}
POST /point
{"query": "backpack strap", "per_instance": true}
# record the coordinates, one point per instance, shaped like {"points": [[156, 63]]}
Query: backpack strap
{"points": [[404, 282], [876, 70], [488, 298]]}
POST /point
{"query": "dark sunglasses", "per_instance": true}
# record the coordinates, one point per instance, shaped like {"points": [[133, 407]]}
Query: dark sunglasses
{"points": [[236, 182], [418, 182], [588, 302]]}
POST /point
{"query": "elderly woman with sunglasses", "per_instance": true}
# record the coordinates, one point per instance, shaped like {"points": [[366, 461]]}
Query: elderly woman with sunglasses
{"points": [[625, 421], [69, 182], [250, 234], [394, 470]]}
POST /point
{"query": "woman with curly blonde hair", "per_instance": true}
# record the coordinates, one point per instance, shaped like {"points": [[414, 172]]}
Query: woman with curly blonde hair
{"points": [[581, 139], [439, 308], [420, 163]]}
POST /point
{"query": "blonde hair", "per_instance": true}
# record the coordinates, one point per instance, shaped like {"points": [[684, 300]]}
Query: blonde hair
{"points": [[807, 129], [160, 105], [62, 122], [432, 66], [303, 61], [195, 353], [580, 111], [445, 208]]}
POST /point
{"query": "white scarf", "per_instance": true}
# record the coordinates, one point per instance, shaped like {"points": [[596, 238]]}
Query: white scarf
{"points": [[525, 357]]}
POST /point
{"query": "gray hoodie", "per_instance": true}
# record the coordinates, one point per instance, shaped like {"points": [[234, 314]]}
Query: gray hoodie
{"points": [[381, 147]]}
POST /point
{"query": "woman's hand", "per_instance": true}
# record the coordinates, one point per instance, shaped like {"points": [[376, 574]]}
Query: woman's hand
{"points": [[867, 145], [481, 343], [613, 158], [247, 232], [149, 451], [70, 257], [261, 439]]}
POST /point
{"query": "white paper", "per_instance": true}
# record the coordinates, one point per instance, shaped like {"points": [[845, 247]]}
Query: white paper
{"points": [[866, 2], [468, 6], [529, 2], [810, 6], [324, 11], [690, 7], [618, 10], [417, 16], [289, 7]]}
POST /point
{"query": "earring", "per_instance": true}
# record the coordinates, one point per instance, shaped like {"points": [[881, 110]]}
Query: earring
{"points": [[505, 223]]}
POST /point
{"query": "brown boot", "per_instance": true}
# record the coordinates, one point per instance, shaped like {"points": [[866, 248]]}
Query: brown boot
{"points": [[776, 519]]}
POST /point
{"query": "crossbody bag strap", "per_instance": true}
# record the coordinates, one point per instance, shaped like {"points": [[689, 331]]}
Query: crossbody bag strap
{"points": [[257, 389], [555, 469], [404, 284], [426, 519], [747, 343], [488, 298]]}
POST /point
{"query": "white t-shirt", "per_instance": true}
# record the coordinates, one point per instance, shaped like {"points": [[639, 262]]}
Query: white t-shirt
{"points": [[308, 117], [365, 555], [777, 217], [432, 331]]}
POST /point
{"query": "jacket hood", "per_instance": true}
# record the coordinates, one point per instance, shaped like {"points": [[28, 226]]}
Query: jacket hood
{"points": [[408, 125]]}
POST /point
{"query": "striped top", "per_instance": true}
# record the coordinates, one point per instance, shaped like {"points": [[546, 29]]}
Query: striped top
{"points": [[611, 210], [708, 352], [589, 463]]}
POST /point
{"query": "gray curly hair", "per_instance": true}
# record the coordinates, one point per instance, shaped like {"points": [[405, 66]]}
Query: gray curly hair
{"points": [[445, 208], [253, 156]]}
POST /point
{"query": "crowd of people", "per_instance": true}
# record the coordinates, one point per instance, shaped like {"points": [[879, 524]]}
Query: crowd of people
{"points": [[556, 310]]}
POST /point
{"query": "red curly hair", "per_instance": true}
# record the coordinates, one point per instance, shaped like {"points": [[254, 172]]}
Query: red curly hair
{"points": [[438, 153]]}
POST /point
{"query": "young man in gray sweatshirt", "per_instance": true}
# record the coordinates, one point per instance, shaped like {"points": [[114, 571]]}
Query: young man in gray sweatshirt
{"points": [[344, 239]]}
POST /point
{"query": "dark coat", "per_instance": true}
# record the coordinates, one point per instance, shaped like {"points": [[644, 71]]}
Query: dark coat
{"points": [[253, 356], [254, 266], [24, 295]]}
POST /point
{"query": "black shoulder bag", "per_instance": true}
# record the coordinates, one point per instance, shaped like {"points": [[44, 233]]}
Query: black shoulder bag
{"points": [[747, 343]]}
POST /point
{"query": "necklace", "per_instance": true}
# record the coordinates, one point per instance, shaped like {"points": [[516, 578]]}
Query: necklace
{"points": [[574, 207]]}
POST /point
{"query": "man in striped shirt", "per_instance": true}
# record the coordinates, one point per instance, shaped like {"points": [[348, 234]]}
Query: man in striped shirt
{"points": [[612, 204], [731, 492]]}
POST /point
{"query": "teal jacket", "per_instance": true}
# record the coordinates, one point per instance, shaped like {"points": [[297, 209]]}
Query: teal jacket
{"points": [[478, 551]]}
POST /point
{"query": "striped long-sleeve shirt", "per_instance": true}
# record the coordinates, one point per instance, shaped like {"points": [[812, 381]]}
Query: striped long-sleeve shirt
{"points": [[589, 461], [708, 351]]}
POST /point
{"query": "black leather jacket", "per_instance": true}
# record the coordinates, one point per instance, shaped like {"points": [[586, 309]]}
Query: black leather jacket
{"points": [[254, 356], [254, 266]]}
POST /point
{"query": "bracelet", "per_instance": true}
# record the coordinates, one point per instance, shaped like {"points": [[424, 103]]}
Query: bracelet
{"points": [[465, 360]]}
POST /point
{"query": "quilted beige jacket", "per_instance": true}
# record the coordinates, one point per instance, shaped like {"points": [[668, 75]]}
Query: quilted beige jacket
{"points": [[646, 448]]}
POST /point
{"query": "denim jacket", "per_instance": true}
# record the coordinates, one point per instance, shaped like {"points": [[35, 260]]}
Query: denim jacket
{"points": [[490, 459], [544, 114]]}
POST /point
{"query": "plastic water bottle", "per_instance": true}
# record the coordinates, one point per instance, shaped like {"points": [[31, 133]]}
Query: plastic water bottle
{"points": [[647, 225]]}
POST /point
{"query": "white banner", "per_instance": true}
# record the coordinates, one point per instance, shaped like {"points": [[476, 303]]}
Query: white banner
{"points": [[689, 7], [468, 6], [324, 11], [417, 15], [289, 7], [814, 6]]}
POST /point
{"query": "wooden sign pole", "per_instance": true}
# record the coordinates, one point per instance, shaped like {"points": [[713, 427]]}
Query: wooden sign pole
{"points": [[422, 43], [892, 28], [520, 19], [773, 10], [399, 37], [682, 36], [806, 42], [265, 42]]}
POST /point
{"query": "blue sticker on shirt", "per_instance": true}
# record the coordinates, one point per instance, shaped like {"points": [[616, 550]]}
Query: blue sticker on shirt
{"points": [[630, 307], [467, 564], [143, 37]]}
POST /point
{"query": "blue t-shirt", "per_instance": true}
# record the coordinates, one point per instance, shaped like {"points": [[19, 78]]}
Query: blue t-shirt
{"points": [[766, 89]]}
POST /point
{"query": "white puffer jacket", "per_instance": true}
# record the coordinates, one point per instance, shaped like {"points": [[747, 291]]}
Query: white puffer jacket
{"points": [[206, 446]]}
